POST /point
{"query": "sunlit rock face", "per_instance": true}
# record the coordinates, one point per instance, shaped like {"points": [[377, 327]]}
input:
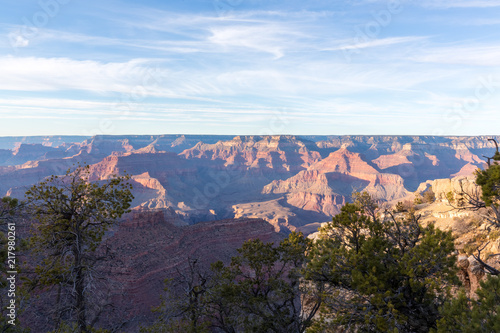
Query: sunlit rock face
{"points": [[305, 179]]}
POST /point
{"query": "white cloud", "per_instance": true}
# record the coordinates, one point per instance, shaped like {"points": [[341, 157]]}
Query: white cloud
{"points": [[461, 3], [268, 39], [353, 44], [134, 80], [49, 74], [17, 40], [246, 64], [443, 4], [471, 55]]}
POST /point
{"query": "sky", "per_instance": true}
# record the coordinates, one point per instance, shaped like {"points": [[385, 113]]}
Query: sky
{"points": [[250, 67]]}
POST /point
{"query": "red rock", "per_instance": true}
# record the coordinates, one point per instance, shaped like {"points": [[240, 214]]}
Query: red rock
{"points": [[152, 249], [343, 161]]}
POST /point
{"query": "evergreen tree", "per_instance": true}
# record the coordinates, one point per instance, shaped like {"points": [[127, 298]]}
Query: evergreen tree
{"points": [[185, 304], [475, 315], [385, 272], [261, 290], [71, 215], [481, 312]]}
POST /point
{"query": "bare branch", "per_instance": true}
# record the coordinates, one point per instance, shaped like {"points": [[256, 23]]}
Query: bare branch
{"points": [[490, 269]]}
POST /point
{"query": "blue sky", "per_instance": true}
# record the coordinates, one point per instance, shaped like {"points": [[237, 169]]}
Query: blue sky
{"points": [[428, 67]]}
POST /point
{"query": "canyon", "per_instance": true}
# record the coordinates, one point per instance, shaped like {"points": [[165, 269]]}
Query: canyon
{"points": [[200, 197], [289, 181]]}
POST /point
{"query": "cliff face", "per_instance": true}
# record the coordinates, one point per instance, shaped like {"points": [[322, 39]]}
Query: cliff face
{"points": [[443, 188], [279, 153], [152, 247], [213, 177], [327, 184]]}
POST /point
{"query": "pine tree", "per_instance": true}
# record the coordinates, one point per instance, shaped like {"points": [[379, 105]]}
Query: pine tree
{"points": [[264, 290], [71, 215], [386, 272], [476, 315]]}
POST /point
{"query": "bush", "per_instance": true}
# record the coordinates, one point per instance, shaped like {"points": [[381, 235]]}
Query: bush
{"points": [[450, 197], [400, 207], [494, 235], [429, 196]]}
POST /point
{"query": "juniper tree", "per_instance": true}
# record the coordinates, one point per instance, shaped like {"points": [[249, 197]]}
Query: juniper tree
{"points": [[385, 272], [263, 288], [71, 215]]}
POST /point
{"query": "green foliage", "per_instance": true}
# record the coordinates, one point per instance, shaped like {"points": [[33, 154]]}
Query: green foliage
{"points": [[404, 207], [401, 207], [463, 315], [261, 290], [385, 274], [481, 313], [66, 327], [429, 196], [174, 326], [185, 307], [71, 214], [470, 248], [489, 180], [494, 235], [450, 197], [496, 156]]}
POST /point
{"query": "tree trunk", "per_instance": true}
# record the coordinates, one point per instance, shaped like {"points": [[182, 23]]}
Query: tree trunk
{"points": [[80, 291], [80, 301]]}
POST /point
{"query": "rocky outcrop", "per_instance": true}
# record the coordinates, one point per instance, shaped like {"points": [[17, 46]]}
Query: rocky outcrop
{"points": [[344, 161], [11, 142], [309, 180], [5, 155], [467, 170], [443, 188], [470, 273], [205, 176], [328, 184], [281, 153], [388, 161], [159, 163], [32, 152], [328, 204]]}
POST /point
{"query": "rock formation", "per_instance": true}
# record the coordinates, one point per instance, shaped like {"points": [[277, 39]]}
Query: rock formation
{"points": [[307, 179]]}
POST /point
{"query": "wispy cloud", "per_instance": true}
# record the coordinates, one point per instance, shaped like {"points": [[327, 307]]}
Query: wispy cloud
{"points": [[351, 44], [461, 3], [273, 39], [443, 4], [471, 55], [49, 74], [139, 63]]}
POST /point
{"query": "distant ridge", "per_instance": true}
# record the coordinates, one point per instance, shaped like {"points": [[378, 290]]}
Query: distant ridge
{"points": [[290, 181]]}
